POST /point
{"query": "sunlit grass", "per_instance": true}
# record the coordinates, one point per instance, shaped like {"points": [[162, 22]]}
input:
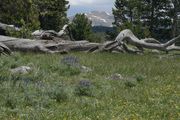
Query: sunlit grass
{"points": [[149, 90]]}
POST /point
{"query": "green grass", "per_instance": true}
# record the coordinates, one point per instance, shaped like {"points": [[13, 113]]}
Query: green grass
{"points": [[150, 89]]}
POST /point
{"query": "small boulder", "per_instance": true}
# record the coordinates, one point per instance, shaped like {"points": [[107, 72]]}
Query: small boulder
{"points": [[84, 88], [85, 83], [156, 51], [114, 51], [116, 76], [21, 70], [85, 69]]}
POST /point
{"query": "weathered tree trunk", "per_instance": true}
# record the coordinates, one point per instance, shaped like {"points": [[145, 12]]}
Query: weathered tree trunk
{"points": [[45, 46], [62, 46], [149, 43], [50, 34]]}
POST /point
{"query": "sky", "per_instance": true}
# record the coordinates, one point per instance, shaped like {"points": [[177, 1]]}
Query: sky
{"points": [[80, 6]]}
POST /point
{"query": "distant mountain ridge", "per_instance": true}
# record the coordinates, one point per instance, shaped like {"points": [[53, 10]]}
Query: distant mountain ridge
{"points": [[99, 18]]}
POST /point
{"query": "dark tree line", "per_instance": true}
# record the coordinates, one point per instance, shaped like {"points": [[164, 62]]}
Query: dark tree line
{"points": [[146, 18], [155, 18], [19, 13], [52, 13], [34, 14]]}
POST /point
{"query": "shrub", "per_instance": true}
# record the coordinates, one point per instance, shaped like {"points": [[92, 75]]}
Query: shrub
{"points": [[84, 88], [58, 93], [81, 27], [130, 84], [140, 78], [71, 61]]}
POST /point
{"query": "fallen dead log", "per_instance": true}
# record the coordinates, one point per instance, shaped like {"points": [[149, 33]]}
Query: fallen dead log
{"points": [[149, 43], [45, 46], [64, 46], [50, 34]]}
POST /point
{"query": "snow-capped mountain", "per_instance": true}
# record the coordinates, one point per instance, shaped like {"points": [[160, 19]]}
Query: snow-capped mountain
{"points": [[99, 18]]}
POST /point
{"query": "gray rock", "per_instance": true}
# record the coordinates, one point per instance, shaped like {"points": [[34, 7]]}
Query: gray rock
{"points": [[114, 51], [156, 51], [85, 83], [21, 70], [85, 69], [116, 76]]}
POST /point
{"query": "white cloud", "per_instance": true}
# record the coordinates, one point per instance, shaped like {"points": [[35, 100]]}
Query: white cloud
{"points": [[90, 2]]}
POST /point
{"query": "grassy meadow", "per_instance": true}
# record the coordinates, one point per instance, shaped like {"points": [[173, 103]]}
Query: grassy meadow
{"points": [[149, 89]]}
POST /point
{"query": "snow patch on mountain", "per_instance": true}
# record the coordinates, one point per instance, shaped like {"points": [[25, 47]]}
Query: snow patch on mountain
{"points": [[99, 18]]}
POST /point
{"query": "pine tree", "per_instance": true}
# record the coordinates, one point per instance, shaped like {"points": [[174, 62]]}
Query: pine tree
{"points": [[156, 16], [52, 13], [81, 27], [152, 16], [127, 14], [174, 14], [19, 13], [22, 14]]}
